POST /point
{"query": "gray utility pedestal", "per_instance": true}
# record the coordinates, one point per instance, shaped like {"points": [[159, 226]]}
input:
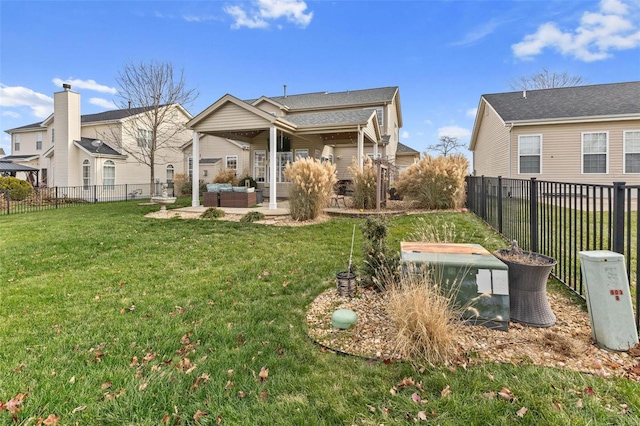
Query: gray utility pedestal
{"points": [[608, 299], [478, 279]]}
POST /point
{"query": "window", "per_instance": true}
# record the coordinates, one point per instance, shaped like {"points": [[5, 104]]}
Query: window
{"points": [[43, 177], [302, 153], [259, 165], [594, 152], [190, 169], [231, 162], [144, 138], [282, 159], [109, 174], [318, 154], [529, 154], [632, 151], [16, 142], [330, 158], [378, 111], [86, 174], [170, 171], [205, 173], [53, 133], [38, 140]]}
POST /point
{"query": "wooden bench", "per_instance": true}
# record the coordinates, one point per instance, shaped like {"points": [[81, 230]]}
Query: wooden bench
{"points": [[238, 199]]}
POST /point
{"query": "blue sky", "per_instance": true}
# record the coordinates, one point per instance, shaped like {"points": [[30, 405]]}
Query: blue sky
{"points": [[442, 54]]}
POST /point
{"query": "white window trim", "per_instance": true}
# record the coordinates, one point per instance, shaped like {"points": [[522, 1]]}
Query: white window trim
{"points": [[529, 155], [260, 178], [226, 162], [296, 155], [606, 132], [624, 152], [86, 164], [108, 164], [173, 171]]}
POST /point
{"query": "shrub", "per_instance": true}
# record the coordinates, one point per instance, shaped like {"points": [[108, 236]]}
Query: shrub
{"points": [[212, 213], [252, 216], [424, 316], [181, 184], [18, 189], [364, 184], [311, 187], [379, 258], [226, 176], [252, 183], [435, 182]]}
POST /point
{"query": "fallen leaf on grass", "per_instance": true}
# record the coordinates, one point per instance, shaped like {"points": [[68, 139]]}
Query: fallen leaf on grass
{"points": [[78, 409], [557, 406], [407, 381], [490, 395], [264, 373], [446, 391], [505, 393], [13, 405], [241, 394], [19, 368], [199, 414], [105, 385], [51, 420], [264, 395], [422, 415], [371, 408], [579, 403], [521, 412]]}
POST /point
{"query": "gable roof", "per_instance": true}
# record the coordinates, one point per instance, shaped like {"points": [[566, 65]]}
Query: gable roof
{"points": [[406, 150], [97, 149], [602, 100], [358, 116], [113, 115], [319, 100]]}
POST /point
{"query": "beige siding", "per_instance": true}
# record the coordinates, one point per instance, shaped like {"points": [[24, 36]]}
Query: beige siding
{"points": [[217, 147], [491, 154], [562, 152], [231, 116], [269, 107]]}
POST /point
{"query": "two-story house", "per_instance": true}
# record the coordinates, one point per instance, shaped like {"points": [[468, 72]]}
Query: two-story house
{"points": [[70, 149], [341, 127]]}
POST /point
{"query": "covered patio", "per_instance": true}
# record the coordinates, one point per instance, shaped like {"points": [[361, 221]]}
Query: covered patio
{"points": [[9, 168], [277, 138]]}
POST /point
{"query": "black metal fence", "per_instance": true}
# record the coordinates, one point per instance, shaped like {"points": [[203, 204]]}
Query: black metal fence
{"points": [[65, 196], [559, 219]]}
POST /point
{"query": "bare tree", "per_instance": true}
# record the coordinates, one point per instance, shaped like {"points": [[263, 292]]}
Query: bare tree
{"points": [[546, 79], [446, 145], [155, 95]]}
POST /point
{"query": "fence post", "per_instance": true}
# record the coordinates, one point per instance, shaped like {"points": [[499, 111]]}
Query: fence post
{"points": [[500, 204], [95, 193], [483, 198], [618, 217], [8, 197], [56, 197], [533, 214]]}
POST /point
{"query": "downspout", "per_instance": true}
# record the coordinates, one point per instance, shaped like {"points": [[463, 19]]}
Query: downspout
{"points": [[510, 159], [195, 170]]}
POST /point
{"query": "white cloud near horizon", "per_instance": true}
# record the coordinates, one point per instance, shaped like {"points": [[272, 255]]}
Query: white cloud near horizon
{"points": [[11, 114], [454, 132], [478, 33], [472, 112], [405, 135], [104, 103], [17, 96], [203, 18], [85, 84], [266, 10], [597, 34]]}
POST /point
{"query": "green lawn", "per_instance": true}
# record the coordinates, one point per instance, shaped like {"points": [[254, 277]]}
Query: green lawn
{"points": [[107, 317]]}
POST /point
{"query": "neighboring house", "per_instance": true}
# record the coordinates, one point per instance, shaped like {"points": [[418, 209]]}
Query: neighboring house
{"points": [[582, 134], [70, 149], [217, 154], [342, 128], [405, 156]]}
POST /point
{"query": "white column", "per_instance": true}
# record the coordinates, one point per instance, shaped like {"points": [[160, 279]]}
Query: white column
{"points": [[361, 149], [195, 185], [273, 138], [375, 150]]}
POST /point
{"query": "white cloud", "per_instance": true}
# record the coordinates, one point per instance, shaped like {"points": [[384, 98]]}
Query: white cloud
{"points": [[472, 112], [18, 96], [11, 114], [405, 135], [454, 132], [478, 33], [203, 18], [104, 103], [593, 40], [429, 122], [85, 84], [265, 10]]}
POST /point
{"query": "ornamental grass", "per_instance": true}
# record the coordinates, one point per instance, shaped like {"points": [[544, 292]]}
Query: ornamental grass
{"points": [[364, 184], [435, 183], [312, 184]]}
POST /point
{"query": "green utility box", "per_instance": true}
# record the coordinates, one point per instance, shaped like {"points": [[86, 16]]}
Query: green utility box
{"points": [[476, 278]]}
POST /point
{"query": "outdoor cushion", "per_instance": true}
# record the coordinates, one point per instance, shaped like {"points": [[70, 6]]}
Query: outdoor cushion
{"points": [[239, 189]]}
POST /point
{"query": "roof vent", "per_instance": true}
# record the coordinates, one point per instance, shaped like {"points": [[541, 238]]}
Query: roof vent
{"points": [[66, 87], [285, 90], [524, 93]]}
